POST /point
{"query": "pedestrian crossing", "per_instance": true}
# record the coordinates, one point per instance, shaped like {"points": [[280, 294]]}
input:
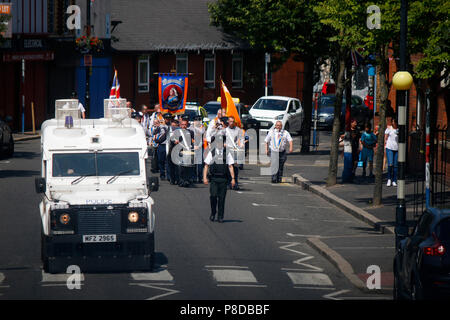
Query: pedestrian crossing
{"points": [[220, 276]]}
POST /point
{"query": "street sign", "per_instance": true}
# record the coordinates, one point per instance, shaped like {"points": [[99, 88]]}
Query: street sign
{"points": [[88, 60]]}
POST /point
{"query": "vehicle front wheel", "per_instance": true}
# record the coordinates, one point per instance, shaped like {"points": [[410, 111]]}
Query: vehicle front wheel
{"points": [[417, 289], [10, 149]]}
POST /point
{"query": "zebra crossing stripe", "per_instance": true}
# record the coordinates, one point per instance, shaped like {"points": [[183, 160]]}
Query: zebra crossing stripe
{"points": [[162, 275], [227, 275], [309, 279], [48, 277]]}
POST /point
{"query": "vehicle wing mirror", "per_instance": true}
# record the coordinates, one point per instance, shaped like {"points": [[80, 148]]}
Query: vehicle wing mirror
{"points": [[40, 184], [153, 184]]}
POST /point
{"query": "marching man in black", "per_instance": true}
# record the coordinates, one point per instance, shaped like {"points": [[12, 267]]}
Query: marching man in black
{"points": [[218, 172], [277, 140]]}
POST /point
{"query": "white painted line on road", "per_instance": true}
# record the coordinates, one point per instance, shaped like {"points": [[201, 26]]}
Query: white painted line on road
{"points": [[226, 267], [234, 276], [288, 219], [5, 162], [162, 275], [168, 293], [48, 277], [2, 277], [263, 205], [248, 192], [303, 235], [332, 296], [243, 285], [300, 261], [367, 298], [312, 279]]}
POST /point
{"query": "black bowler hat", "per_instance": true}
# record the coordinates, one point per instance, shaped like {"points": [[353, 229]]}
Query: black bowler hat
{"points": [[198, 118], [185, 117], [167, 116], [224, 119]]}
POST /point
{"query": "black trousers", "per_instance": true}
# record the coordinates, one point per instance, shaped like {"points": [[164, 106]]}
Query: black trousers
{"points": [[186, 173], [218, 192], [281, 160]]}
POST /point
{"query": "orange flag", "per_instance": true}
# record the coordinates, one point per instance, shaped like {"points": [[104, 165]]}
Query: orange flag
{"points": [[227, 103]]}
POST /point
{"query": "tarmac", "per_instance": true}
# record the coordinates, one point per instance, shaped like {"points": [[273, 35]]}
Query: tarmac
{"points": [[374, 246]]}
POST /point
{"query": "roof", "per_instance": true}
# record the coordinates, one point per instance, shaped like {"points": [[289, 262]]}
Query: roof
{"points": [[278, 97], [176, 25]]}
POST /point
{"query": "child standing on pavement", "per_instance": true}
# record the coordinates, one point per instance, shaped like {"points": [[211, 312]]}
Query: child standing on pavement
{"points": [[368, 141]]}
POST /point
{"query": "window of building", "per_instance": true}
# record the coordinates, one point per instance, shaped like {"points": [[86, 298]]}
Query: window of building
{"points": [[143, 74], [210, 70], [237, 70], [182, 63]]}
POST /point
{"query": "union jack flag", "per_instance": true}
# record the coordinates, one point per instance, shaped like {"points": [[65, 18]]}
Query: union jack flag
{"points": [[115, 89]]}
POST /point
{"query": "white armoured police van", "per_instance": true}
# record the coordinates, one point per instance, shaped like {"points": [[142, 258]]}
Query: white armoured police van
{"points": [[96, 208]]}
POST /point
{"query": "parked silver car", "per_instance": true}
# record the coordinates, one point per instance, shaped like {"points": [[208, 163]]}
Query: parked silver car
{"points": [[6, 138]]}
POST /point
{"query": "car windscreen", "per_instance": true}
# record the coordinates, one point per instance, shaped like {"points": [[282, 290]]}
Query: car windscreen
{"points": [[95, 164], [270, 104], [191, 114], [212, 108]]}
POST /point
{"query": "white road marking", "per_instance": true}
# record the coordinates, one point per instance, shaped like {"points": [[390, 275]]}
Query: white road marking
{"points": [[303, 235], [243, 285], [311, 279], [263, 205], [162, 275], [168, 293], [2, 277], [289, 219], [249, 192], [226, 267], [227, 275], [5, 162], [340, 236], [332, 295], [300, 261], [48, 277]]}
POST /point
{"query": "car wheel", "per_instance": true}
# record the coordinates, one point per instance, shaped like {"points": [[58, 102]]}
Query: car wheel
{"points": [[398, 290], [416, 289], [152, 252], [10, 150], [44, 258]]}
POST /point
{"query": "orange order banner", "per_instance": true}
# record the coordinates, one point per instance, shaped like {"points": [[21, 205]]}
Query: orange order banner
{"points": [[227, 103]]}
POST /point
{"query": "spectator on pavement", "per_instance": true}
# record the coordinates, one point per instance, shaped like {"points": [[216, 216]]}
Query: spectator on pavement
{"points": [[391, 145], [368, 141]]}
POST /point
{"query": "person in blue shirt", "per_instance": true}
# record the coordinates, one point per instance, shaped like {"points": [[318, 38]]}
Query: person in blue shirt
{"points": [[368, 141]]}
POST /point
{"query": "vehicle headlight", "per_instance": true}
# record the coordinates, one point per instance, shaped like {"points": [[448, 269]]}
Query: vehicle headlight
{"points": [[279, 117], [133, 216], [64, 218]]}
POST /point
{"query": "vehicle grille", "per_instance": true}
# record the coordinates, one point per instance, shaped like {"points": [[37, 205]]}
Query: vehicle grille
{"points": [[101, 222]]}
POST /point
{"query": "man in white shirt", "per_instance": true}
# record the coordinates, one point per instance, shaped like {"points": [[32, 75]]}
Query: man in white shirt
{"points": [[276, 140], [80, 105], [235, 145]]}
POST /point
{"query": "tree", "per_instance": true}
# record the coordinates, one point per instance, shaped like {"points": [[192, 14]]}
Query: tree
{"points": [[347, 21], [284, 27]]}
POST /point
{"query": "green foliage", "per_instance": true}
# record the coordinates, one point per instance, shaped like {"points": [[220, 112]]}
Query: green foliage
{"points": [[289, 26], [429, 34]]}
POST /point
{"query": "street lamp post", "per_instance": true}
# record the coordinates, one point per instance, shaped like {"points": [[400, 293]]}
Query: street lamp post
{"points": [[402, 82]]}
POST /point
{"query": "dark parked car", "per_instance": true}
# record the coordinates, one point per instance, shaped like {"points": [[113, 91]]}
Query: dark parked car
{"points": [[325, 112], [422, 260], [6, 138]]}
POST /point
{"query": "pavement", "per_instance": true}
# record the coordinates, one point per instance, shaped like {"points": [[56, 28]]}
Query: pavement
{"points": [[28, 135], [271, 245], [351, 249], [352, 257]]}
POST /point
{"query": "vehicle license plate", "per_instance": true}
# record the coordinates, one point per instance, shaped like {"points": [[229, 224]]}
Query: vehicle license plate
{"points": [[322, 120], [264, 124], [93, 238]]}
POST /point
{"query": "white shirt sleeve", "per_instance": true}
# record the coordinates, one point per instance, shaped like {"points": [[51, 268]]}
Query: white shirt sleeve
{"points": [[288, 137], [81, 108], [268, 137]]}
